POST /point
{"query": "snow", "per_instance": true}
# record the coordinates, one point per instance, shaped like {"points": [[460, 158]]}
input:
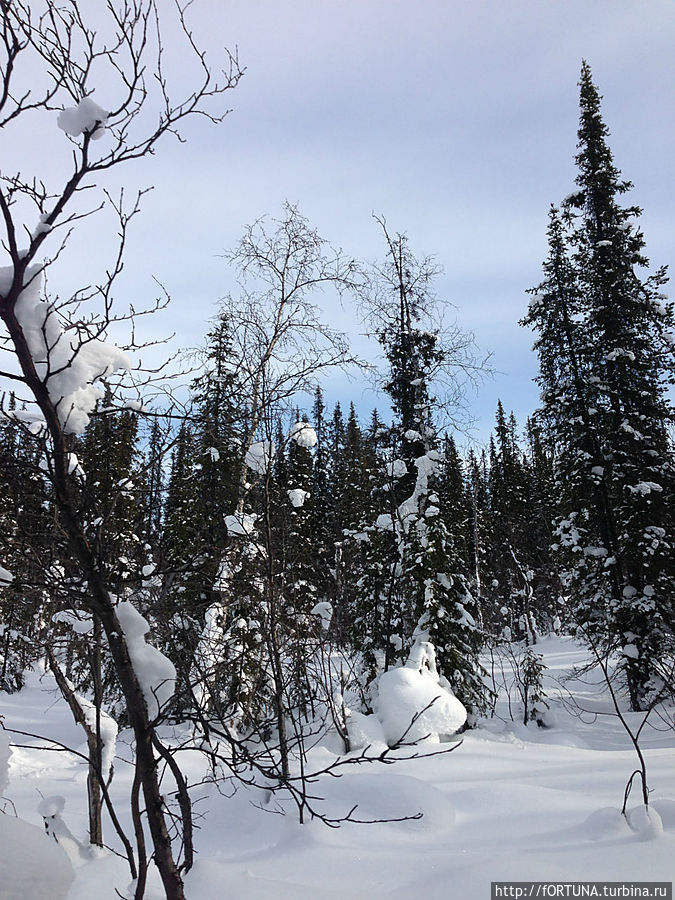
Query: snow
{"points": [[6, 576], [51, 806], [645, 821], [5, 753], [412, 705], [241, 524], [210, 648], [31, 864], [107, 729], [409, 510], [297, 497], [86, 117], [324, 610], [303, 434], [620, 352], [397, 468], [69, 363], [156, 673], [74, 467], [513, 802], [645, 487], [80, 621], [384, 522], [259, 456]]}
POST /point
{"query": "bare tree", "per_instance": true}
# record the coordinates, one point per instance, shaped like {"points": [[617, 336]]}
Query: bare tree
{"points": [[56, 350], [280, 344], [635, 724]]}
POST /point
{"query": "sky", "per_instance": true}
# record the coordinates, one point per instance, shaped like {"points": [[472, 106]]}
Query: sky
{"points": [[454, 120]]}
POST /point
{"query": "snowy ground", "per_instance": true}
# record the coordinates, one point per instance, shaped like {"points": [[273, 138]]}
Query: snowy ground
{"points": [[512, 803]]}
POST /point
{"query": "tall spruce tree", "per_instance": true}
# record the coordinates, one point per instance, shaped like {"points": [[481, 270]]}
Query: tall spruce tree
{"points": [[424, 594], [606, 363]]}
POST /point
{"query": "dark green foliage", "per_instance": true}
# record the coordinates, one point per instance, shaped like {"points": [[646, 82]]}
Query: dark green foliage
{"points": [[606, 364], [28, 545]]}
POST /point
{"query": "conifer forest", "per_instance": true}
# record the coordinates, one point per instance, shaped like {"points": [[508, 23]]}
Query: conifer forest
{"points": [[245, 599]]}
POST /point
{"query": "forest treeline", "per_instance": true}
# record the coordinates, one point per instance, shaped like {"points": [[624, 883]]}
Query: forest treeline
{"points": [[246, 517]]}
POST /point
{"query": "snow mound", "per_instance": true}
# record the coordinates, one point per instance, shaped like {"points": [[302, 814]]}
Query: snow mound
{"points": [[382, 797], [366, 731], [645, 822], [411, 704], [666, 809], [101, 876], [605, 823], [31, 864], [156, 673]]}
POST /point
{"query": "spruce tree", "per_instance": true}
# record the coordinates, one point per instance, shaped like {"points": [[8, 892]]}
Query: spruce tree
{"points": [[606, 364], [421, 586], [217, 447]]}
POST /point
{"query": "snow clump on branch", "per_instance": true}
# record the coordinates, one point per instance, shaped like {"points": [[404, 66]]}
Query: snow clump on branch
{"points": [[303, 434], [242, 524], [85, 118], [259, 456], [68, 362], [297, 497], [155, 673]]}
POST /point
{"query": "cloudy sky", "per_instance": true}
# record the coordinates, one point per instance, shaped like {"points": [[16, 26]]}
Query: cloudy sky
{"points": [[455, 119]]}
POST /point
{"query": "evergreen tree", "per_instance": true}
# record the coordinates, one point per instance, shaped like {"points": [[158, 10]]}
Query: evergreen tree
{"points": [[217, 443], [318, 512], [28, 542], [182, 550], [604, 378], [476, 493], [109, 457], [421, 586]]}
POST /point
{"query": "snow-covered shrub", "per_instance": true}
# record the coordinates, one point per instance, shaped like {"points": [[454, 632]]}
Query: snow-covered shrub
{"points": [[411, 703]]}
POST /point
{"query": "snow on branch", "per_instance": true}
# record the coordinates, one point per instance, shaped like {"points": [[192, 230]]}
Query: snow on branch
{"points": [[69, 363], [155, 673]]}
